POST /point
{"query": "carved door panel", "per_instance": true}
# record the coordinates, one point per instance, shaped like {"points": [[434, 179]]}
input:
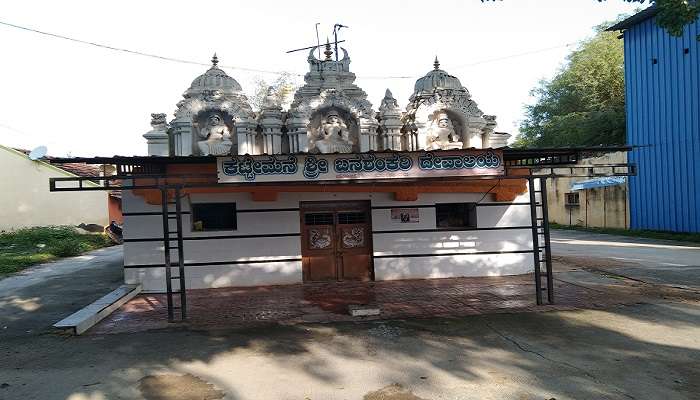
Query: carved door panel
{"points": [[318, 246], [354, 245], [336, 241]]}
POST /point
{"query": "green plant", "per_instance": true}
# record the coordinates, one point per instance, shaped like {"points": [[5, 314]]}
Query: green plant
{"points": [[24, 247], [68, 248]]}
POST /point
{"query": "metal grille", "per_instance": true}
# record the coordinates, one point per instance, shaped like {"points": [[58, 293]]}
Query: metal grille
{"points": [[351, 218], [455, 215], [318, 219]]}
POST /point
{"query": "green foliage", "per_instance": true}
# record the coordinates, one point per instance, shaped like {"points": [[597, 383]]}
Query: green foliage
{"points": [[673, 15], [24, 247], [584, 104]]}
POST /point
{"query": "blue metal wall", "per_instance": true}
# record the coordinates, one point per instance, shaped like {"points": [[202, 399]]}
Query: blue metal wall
{"points": [[663, 112]]}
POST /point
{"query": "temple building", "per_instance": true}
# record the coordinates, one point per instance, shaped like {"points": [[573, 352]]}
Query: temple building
{"points": [[331, 189], [279, 230]]}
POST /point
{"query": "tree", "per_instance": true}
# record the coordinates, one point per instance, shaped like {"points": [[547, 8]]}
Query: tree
{"points": [[673, 15], [283, 87], [584, 103]]}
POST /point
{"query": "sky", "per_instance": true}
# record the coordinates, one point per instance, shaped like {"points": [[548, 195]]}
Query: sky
{"points": [[81, 100]]}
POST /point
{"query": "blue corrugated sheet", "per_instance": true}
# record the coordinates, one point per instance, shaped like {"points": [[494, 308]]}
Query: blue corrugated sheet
{"points": [[662, 80], [603, 181]]}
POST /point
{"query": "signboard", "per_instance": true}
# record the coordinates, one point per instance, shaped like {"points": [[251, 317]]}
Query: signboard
{"points": [[404, 215], [358, 166]]}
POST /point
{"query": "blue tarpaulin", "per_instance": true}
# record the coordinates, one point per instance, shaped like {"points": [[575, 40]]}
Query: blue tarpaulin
{"points": [[598, 182]]}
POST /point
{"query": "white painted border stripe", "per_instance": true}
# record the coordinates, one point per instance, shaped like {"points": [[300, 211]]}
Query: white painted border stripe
{"points": [[85, 318]]}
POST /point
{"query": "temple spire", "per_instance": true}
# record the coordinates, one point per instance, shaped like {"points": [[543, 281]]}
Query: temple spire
{"points": [[436, 64], [328, 51], [214, 60]]}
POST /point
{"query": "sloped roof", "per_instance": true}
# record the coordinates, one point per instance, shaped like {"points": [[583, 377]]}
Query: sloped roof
{"points": [[79, 169], [634, 19]]}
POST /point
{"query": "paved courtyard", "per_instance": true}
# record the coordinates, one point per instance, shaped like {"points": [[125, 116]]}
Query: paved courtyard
{"points": [[328, 302]]}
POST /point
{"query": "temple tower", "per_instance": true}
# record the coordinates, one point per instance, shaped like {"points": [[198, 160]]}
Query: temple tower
{"points": [[330, 113], [442, 115]]}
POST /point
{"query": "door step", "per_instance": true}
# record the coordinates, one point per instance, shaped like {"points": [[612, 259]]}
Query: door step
{"points": [[363, 310]]}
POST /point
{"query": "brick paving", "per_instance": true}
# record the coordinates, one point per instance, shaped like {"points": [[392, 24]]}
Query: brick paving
{"points": [[327, 302]]}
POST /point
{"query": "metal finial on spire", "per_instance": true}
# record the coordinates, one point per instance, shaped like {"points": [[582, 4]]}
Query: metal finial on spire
{"points": [[328, 51], [436, 64], [214, 60]]}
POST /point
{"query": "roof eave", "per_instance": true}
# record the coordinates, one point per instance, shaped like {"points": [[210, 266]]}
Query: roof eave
{"points": [[634, 19]]}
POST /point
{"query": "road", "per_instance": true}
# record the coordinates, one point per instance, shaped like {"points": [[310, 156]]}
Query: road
{"points": [[653, 261]]}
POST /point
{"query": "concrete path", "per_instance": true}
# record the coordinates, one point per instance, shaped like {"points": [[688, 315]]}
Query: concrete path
{"points": [[648, 260], [34, 299]]}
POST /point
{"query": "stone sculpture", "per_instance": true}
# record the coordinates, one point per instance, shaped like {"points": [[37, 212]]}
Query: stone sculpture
{"points": [[217, 137], [442, 135], [334, 135], [328, 85], [157, 138]]}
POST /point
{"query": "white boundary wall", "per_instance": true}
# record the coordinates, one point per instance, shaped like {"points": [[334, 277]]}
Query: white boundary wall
{"points": [[269, 253]]}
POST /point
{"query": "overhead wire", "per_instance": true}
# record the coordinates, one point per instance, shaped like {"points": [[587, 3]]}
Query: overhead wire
{"points": [[232, 67], [139, 53]]}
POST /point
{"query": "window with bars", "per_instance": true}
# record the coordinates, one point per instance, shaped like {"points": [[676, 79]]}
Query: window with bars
{"points": [[318, 219], [352, 218], [571, 199], [214, 217], [455, 215]]}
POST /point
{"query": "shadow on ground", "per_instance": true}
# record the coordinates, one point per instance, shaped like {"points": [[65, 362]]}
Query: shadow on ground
{"points": [[601, 354]]}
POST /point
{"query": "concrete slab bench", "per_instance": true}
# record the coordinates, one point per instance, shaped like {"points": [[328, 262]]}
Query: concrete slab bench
{"points": [[83, 319]]}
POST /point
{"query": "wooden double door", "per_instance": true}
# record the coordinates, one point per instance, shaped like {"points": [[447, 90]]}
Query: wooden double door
{"points": [[336, 241]]}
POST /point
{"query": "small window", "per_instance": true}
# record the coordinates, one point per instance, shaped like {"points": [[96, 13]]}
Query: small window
{"points": [[351, 218], [455, 215], [214, 217], [572, 199], [318, 219]]}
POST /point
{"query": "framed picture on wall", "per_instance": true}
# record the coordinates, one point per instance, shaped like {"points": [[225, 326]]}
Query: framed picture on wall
{"points": [[404, 215]]}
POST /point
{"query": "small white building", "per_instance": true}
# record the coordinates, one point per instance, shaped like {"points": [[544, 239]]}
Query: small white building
{"points": [[25, 200]]}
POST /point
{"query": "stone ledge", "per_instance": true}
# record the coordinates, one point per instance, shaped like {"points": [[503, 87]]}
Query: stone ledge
{"points": [[83, 319]]}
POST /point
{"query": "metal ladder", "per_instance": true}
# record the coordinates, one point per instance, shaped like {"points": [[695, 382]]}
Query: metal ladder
{"points": [[168, 247], [542, 254]]}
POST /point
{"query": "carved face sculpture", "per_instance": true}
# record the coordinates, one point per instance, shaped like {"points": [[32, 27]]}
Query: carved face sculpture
{"points": [[442, 133], [215, 129], [444, 128], [334, 128], [217, 136], [214, 120], [333, 135]]}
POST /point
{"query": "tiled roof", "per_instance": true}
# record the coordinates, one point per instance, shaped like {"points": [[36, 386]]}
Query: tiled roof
{"points": [[79, 169]]}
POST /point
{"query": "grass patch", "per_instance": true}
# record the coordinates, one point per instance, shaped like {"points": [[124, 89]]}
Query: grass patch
{"points": [[25, 247], [677, 236]]}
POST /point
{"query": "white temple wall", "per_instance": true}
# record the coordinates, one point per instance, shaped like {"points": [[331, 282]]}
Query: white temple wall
{"points": [[270, 251]]}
